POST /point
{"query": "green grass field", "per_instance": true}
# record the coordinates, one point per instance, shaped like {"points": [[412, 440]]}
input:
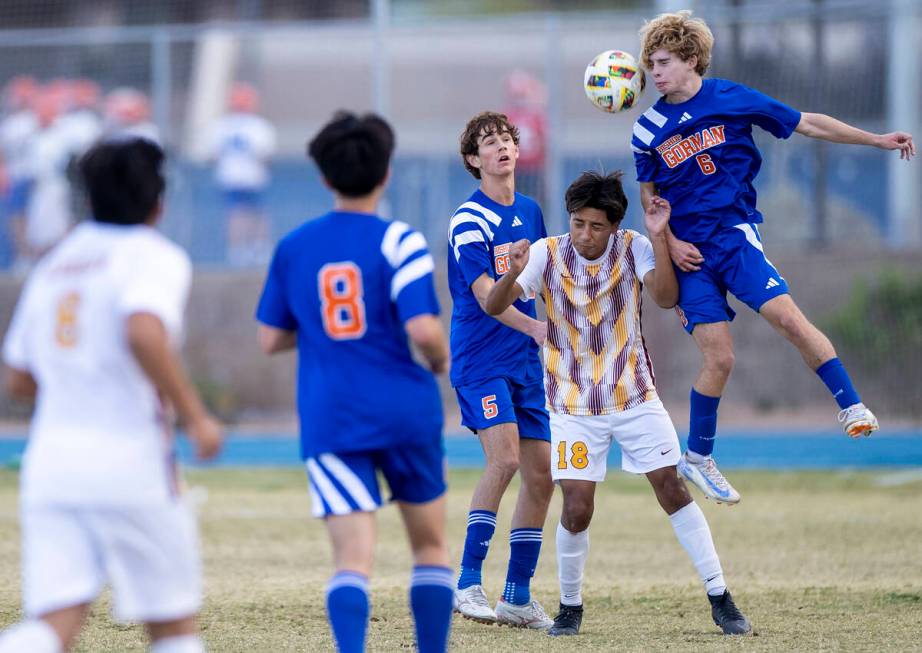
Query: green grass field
{"points": [[818, 561]]}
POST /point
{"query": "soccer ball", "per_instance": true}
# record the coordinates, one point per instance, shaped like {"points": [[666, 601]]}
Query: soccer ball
{"points": [[613, 81]]}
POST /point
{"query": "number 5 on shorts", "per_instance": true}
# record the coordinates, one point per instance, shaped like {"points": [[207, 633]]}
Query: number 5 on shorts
{"points": [[579, 455], [489, 406]]}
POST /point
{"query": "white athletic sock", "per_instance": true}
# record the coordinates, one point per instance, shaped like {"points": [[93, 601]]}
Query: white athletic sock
{"points": [[695, 457], [34, 636], [572, 551], [692, 530], [178, 644]]}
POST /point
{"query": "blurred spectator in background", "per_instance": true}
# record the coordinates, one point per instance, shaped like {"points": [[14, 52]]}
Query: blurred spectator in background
{"points": [[48, 210], [241, 145], [81, 127], [80, 121], [127, 115], [17, 128], [526, 108]]}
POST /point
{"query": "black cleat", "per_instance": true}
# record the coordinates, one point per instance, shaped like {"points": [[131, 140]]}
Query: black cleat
{"points": [[567, 621], [727, 615]]}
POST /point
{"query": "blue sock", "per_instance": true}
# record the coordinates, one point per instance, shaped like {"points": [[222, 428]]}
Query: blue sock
{"points": [[702, 423], [347, 610], [525, 545], [431, 593], [480, 527], [833, 374]]}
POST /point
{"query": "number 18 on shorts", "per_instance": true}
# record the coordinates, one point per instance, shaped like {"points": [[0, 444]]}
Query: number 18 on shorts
{"points": [[580, 443]]}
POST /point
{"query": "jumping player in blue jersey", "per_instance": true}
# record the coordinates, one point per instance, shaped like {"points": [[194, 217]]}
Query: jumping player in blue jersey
{"points": [[496, 373], [694, 147], [347, 289]]}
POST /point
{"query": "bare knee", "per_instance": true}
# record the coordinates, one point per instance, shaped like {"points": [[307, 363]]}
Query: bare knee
{"points": [[538, 481], [792, 325], [720, 361], [670, 490], [577, 513]]}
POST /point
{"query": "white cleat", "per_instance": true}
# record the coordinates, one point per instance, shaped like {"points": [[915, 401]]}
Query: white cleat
{"points": [[472, 603], [707, 478], [531, 615], [857, 420]]}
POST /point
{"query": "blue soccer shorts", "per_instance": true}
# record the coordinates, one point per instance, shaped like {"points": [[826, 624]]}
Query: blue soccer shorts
{"points": [[343, 483], [734, 262], [17, 198], [243, 199], [502, 401]]}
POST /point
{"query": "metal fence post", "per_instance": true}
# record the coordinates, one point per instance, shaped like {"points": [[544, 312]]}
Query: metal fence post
{"points": [[381, 12], [904, 226], [553, 170], [162, 81]]}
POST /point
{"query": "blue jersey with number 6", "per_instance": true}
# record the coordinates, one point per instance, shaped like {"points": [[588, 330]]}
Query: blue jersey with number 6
{"points": [[347, 283], [701, 156]]}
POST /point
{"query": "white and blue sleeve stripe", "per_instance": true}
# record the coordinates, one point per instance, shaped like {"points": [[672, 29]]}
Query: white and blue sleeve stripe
{"points": [[642, 134], [407, 253], [410, 272], [471, 223], [390, 244]]}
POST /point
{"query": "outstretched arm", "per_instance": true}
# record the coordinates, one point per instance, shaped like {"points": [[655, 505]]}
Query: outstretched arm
{"points": [[827, 128], [661, 280]]}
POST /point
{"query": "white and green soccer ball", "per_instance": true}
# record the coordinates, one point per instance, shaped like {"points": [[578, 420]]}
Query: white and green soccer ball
{"points": [[613, 81]]}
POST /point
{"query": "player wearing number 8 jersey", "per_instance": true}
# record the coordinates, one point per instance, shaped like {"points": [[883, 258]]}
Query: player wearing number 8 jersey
{"points": [[694, 147], [347, 289], [599, 378]]}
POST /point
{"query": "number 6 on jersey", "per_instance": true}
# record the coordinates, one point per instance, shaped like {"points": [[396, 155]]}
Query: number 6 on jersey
{"points": [[342, 306]]}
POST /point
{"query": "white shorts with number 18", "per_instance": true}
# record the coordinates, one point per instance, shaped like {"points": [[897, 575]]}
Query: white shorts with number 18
{"points": [[580, 443]]}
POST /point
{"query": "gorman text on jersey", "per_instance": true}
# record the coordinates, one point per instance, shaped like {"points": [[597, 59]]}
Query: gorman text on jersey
{"points": [[677, 149]]}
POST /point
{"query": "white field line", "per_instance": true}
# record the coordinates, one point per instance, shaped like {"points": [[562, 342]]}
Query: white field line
{"points": [[895, 479]]}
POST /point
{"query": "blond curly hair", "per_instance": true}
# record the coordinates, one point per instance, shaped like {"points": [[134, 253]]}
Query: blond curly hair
{"points": [[680, 34]]}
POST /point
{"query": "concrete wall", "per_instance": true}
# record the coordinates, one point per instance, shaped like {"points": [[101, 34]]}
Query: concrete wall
{"points": [[769, 377]]}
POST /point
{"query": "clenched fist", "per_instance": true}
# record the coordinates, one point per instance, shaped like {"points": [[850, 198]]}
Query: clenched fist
{"points": [[518, 256]]}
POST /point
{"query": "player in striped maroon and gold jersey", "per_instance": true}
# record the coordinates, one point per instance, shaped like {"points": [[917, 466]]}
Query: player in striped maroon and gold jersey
{"points": [[599, 378], [596, 361]]}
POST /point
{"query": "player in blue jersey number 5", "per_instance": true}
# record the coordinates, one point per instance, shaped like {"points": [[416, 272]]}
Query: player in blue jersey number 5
{"points": [[694, 148], [347, 289], [496, 373]]}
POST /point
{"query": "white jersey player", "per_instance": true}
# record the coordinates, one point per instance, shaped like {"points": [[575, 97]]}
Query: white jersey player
{"points": [[81, 122], [94, 336], [241, 145], [599, 378], [48, 210], [127, 117], [17, 129]]}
